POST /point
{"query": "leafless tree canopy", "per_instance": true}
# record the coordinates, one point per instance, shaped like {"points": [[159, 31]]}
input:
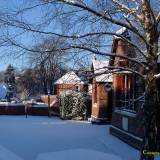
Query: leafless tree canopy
{"points": [[87, 24], [48, 60]]}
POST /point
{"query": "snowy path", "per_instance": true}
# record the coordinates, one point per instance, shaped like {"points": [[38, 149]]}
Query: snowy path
{"points": [[43, 138]]}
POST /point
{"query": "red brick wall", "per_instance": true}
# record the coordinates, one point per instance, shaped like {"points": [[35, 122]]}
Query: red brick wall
{"points": [[134, 123], [12, 110], [102, 107], [51, 98], [65, 87], [123, 48]]}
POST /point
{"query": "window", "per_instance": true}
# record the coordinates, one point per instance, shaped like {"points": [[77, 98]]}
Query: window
{"points": [[127, 94], [77, 88], [139, 92], [125, 123]]}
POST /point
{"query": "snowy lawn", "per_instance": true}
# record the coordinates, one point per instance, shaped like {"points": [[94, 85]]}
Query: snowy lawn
{"points": [[43, 138]]}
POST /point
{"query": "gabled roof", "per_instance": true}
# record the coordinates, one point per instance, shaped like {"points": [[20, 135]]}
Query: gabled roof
{"points": [[121, 30], [99, 67], [70, 78]]}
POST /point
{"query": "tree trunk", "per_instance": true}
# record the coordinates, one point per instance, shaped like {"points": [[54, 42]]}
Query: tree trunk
{"points": [[45, 91], [151, 112], [51, 86], [151, 107]]}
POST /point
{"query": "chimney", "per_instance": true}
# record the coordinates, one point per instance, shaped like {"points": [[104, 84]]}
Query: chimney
{"points": [[94, 57]]}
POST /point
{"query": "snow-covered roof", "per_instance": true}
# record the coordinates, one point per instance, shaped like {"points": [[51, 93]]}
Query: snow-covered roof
{"points": [[121, 30], [100, 67], [70, 78], [124, 72]]}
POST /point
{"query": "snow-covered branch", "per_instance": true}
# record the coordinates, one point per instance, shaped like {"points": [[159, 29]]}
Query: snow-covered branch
{"points": [[104, 16], [157, 76], [31, 29], [110, 33], [117, 69], [128, 10], [106, 54], [134, 60], [158, 18]]}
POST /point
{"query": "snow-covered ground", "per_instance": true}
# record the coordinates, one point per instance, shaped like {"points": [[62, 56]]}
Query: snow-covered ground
{"points": [[43, 138]]}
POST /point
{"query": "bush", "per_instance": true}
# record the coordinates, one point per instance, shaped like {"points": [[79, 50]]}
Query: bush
{"points": [[66, 106], [73, 106]]}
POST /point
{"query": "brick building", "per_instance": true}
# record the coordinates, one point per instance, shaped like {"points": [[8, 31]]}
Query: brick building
{"points": [[101, 98], [128, 91], [70, 82]]}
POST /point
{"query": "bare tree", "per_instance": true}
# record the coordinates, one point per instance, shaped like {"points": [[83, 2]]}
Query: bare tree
{"points": [[49, 64], [28, 84]]}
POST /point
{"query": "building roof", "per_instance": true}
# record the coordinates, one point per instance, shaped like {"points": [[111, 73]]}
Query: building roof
{"points": [[121, 30], [70, 78], [99, 67]]}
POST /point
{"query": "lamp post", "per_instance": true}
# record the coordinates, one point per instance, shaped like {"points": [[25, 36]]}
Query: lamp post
{"points": [[48, 103]]}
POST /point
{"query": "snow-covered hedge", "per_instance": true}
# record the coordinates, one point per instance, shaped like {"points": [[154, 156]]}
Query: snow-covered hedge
{"points": [[73, 106]]}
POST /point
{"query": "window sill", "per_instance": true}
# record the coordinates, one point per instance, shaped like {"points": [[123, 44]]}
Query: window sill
{"points": [[125, 113]]}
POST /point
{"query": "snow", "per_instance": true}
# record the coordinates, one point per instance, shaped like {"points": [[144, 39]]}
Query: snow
{"points": [[8, 104], [7, 155], [4, 103], [39, 104], [44, 138], [129, 134], [124, 72], [78, 154], [70, 78], [100, 67], [121, 30], [3, 90], [76, 2]]}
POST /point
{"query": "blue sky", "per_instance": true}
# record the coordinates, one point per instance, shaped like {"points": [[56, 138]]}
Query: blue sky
{"points": [[27, 38], [6, 52]]}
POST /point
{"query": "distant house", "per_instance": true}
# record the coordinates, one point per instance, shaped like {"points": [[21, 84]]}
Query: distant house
{"points": [[101, 98], [70, 82], [127, 93]]}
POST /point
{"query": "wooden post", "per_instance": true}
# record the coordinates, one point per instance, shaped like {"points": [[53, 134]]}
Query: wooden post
{"points": [[48, 103]]}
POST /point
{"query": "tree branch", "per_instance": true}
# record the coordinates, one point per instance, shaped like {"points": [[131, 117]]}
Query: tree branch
{"points": [[116, 69], [157, 76], [29, 28], [158, 18], [103, 15], [108, 54], [79, 47], [128, 10]]}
